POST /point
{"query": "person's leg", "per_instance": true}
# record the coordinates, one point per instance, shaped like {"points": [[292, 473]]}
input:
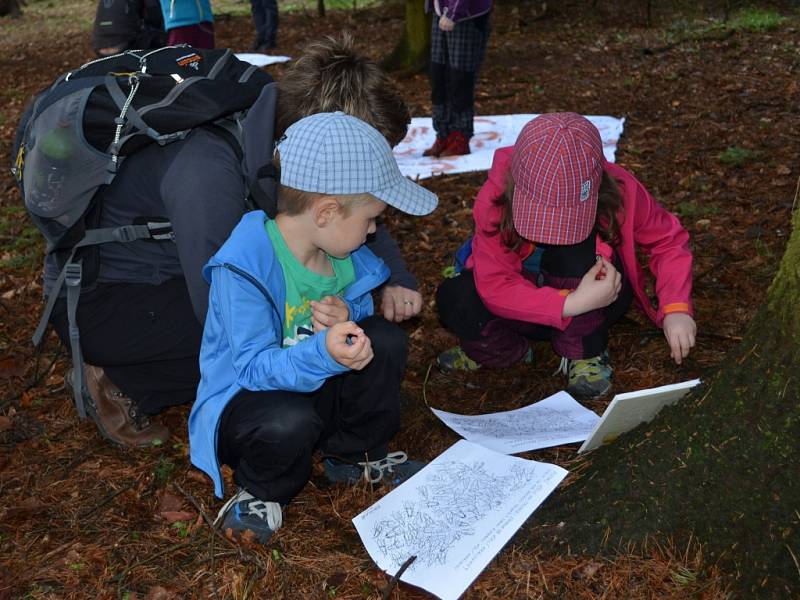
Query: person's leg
{"points": [[485, 339], [145, 337], [439, 90], [268, 438], [362, 411], [197, 36], [466, 46], [257, 8], [270, 23]]}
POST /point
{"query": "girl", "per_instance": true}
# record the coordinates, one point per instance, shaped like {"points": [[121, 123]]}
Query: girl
{"points": [[557, 229]]}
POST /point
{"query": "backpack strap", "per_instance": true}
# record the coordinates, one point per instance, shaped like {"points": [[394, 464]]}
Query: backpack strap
{"points": [[71, 275]]}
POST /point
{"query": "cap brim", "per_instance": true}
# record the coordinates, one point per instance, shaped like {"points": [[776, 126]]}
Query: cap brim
{"points": [[408, 197]]}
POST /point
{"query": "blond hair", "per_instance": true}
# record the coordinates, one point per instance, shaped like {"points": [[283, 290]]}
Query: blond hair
{"points": [[331, 76]]}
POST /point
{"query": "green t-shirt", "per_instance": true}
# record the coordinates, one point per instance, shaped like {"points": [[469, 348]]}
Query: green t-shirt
{"points": [[303, 286]]}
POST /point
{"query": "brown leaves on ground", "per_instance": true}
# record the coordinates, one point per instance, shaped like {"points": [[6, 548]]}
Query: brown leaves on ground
{"points": [[82, 519]]}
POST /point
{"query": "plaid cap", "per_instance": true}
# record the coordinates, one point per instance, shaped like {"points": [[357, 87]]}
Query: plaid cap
{"points": [[557, 167], [334, 153]]}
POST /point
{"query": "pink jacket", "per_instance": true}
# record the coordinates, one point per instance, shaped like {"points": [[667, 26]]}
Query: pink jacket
{"points": [[646, 226]]}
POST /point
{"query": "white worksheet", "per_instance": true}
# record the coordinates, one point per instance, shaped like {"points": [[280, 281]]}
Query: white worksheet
{"points": [[261, 60], [454, 515], [628, 410], [491, 132], [556, 420]]}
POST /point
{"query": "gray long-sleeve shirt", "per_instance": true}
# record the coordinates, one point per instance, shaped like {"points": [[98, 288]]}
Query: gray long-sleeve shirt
{"points": [[198, 185]]}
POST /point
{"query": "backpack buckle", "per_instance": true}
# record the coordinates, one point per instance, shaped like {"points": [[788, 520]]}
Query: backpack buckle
{"points": [[73, 273]]}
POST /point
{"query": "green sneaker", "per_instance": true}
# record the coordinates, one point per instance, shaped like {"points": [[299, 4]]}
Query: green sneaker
{"points": [[589, 378], [455, 359]]}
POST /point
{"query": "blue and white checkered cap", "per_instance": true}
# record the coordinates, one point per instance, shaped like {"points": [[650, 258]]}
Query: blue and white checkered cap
{"points": [[334, 153]]}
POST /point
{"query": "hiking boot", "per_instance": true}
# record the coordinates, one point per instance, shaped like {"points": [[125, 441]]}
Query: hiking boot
{"points": [[455, 359], [455, 144], [395, 468], [436, 149], [116, 415], [589, 378], [243, 512]]}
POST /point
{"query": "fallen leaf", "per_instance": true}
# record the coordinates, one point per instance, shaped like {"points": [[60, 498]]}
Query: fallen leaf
{"points": [[5, 423], [783, 170], [173, 516], [159, 593], [29, 506], [11, 368], [169, 503]]}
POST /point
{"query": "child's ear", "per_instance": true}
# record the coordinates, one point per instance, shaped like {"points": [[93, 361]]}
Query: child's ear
{"points": [[325, 210]]}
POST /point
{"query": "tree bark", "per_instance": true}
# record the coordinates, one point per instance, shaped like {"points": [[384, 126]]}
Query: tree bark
{"points": [[412, 52], [721, 466]]}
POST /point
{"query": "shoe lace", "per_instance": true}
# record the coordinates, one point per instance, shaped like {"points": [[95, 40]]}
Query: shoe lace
{"points": [[382, 466], [563, 367], [266, 511], [140, 420]]}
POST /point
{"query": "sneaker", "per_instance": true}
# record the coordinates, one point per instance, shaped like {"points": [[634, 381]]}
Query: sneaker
{"points": [[436, 149], [116, 415], [395, 468], [455, 359], [589, 378], [455, 144], [243, 512]]}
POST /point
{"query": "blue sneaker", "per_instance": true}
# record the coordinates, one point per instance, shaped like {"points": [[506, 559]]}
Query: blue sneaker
{"points": [[395, 468], [243, 512]]}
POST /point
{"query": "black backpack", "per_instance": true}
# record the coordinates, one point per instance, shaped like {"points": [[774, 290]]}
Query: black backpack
{"points": [[128, 24], [75, 135]]}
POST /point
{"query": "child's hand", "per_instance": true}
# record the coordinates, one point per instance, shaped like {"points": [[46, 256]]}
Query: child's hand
{"points": [[597, 289], [399, 303], [349, 346], [680, 330], [446, 24], [328, 312]]}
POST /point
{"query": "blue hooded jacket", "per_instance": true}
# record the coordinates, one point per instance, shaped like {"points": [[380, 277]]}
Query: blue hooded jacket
{"points": [[243, 332]]}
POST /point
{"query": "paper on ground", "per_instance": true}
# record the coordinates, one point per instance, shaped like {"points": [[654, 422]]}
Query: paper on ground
{"points": [[491, 133], [454, 516], [261, 60], [553, 421], [628, 410]]}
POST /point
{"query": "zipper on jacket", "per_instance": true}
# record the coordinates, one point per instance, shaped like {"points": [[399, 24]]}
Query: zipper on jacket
{"points": [[255, 282]]}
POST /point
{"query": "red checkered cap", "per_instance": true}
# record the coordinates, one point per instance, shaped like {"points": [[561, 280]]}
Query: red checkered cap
{"points": [[557, 167]]}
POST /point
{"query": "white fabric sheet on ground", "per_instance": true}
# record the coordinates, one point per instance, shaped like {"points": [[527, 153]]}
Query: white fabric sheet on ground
{"points": [[454, 515], [556, 420], [261, 60], [491, 133], [628, 410]]}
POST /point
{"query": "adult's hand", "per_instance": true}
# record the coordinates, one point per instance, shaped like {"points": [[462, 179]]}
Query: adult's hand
{"points": [[399, 303], [446, 24]]}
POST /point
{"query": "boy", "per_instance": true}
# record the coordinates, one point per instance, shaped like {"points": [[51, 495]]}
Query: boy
{"points": [[285, 369]]}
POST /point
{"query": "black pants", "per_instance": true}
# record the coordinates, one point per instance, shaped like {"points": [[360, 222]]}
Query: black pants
{"points": [[146, 338], [268, 438], [496, 342]]}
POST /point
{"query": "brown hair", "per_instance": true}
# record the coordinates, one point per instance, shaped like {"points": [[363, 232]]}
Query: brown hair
{"points": [[331, 76], [607, 224]]}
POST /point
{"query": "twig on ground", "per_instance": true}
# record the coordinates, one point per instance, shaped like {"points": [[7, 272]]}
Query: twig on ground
{"points": [[104, 501], [425, 385], [393, 581]]}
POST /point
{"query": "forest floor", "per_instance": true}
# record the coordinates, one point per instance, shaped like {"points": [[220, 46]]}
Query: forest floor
{"points": [[712, 129]]}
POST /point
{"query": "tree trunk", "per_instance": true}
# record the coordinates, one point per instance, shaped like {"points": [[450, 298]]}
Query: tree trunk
{"points": [[412, 52], [722, 465], [321, 8]]}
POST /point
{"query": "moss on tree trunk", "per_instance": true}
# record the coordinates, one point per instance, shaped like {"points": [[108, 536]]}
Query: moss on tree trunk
{"points": [[722, 466], [412, 52]]}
